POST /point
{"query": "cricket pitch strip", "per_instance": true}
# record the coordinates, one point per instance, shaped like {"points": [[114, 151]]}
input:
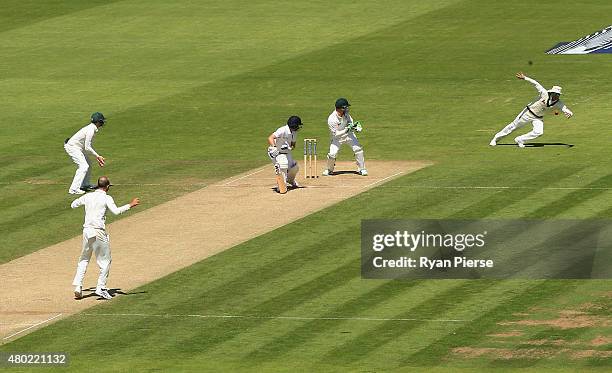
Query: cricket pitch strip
{"points": [[36, 289]]}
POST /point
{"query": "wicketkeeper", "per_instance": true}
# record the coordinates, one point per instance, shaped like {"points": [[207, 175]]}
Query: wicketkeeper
{"points": [[342, 129], [534, 113], [280, 144]]}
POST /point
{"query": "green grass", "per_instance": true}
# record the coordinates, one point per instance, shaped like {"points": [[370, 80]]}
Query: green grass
{"points": [[192, 89]]}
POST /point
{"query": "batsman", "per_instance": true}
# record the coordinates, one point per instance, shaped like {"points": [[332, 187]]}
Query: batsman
{"points": [[281, 142]]}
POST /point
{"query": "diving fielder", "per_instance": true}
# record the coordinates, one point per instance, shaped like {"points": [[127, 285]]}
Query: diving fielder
{"points": [[533, 113], [280, 144], [77, 148], [95, 237], [342, 129]]}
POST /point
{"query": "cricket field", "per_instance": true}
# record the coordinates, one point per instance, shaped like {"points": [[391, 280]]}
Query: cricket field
{"points": [[192, 89]]}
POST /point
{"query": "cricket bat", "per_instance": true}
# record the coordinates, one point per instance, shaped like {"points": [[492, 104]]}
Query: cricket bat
{"points": [[280, 180], [282, 186]]}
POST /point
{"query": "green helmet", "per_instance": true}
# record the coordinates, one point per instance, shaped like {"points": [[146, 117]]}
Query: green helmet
{"points": [[342, 103], [98, 118]]}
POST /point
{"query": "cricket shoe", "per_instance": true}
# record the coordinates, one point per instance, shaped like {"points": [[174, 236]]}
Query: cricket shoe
{"points": [[363, 172], [294, 185], [103, 293], [78, 292], [326, 173], [519, 143], [76, 191], [493, 143]]}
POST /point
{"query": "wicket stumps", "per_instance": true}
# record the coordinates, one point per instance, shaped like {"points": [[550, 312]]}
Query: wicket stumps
{"points": [[310, 159]]}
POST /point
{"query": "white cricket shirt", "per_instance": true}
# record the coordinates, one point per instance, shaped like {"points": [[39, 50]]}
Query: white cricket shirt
{"points": [[83, 139], [338, 124], [96, 204], [284, 138], [543, 103]]}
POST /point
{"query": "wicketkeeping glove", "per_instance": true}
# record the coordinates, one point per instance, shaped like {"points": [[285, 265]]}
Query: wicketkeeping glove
{"points": [[354, 127]]}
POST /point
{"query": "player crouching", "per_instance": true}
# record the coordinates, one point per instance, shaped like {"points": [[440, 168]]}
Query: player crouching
{"points": [[342, 130], [281, 142]]}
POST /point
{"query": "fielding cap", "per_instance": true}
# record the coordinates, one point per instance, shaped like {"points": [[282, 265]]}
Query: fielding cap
{"points": [[555, 89]]}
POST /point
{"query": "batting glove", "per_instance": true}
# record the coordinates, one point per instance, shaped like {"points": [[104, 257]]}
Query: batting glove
{"points": [[273, 152]]}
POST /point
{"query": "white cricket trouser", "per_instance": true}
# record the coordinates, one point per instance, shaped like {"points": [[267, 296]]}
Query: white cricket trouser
{"points": [[522, 119], [83, 172], [288, 167], [95, 241], [351, 140]]}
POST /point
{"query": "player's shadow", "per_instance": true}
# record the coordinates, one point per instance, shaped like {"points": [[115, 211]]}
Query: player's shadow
{"points": [[344, 172], [118, 291], [542, 144], [113, 292], [289, 189]]}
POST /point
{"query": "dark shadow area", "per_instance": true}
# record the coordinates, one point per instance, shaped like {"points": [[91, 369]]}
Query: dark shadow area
{"points": [[344, 173], [113, 292], [118, 291], [289, 188], [541, 144]]}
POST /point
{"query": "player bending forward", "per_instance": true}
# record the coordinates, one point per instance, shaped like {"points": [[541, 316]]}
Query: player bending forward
{"points": [[342, 130], [533, 113], [77, 148], [95, 237], [280, 143]]}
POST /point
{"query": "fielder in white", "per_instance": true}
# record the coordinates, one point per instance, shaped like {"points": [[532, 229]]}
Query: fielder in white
{"points": [[534, 113], [77, 148], [280, 144], [342, 129], [95, 237]]}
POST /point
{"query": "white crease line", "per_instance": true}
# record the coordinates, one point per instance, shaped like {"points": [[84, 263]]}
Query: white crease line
{"points": [[496, 187], [117, 184], [339, 318], [383, 179], [33, 326], [245, 176]]}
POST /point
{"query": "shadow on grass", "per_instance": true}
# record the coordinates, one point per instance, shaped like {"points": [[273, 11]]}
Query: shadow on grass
{"points": [[541, 144], [113, 292]]}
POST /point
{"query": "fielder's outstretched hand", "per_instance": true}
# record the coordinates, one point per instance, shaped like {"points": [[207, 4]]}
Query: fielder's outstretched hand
{"points": [[568, 115], [135, 202], [520, 75], [101, 160]]}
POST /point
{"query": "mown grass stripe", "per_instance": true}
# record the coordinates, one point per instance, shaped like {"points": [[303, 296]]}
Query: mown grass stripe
{"points": [[364, 344], [358, 305], [475, 331]]}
